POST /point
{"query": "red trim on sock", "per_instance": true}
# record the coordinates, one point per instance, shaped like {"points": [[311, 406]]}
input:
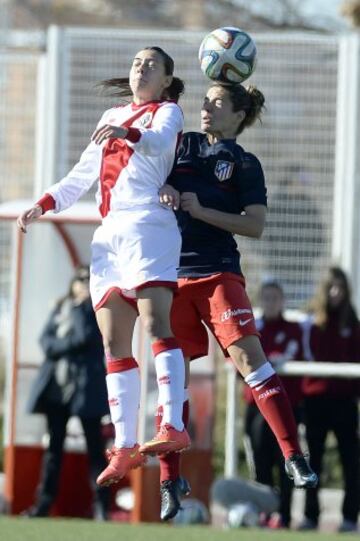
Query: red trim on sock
{"points": [[273, 402], [121, 365], [46, 202], [164, 344], [133, 135]]}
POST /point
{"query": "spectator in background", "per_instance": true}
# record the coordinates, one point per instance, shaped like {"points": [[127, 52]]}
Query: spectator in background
{"points": [[281, 341], [71, 382], [330, 403]]}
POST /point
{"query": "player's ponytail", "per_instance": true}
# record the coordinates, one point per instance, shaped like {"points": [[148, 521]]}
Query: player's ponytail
{"points": [[118, 87], [174, 91], [256, 106], [248, 99]]}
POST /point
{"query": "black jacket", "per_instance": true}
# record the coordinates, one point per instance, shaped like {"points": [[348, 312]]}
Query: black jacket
{"points": [[82, 349]]}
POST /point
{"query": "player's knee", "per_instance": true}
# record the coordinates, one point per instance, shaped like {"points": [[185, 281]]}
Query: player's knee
{"points": [[111, 347], [155, 326]]}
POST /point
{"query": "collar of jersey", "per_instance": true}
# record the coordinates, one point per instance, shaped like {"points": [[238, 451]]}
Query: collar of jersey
{"points": [[136, 107]]}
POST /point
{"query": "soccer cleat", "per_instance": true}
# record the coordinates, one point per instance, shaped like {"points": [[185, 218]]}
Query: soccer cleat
{"points": [[167, 440], [171, 493], [121, 461], [300, 472], [348, 526]]}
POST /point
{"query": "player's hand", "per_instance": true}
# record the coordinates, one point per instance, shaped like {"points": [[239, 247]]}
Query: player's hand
{"points": [[190, 203], [108, 132], [169, 196], [28, 216]]}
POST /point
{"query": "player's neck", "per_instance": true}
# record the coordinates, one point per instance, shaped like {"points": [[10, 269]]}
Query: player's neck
{"points": [[214, 138]]}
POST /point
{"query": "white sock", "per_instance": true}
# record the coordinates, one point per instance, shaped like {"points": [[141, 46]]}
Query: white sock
{"points": [[170, 374], [124, 400], [261, 374]]}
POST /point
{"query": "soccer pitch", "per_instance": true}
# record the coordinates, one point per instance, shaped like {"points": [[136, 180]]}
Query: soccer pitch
{"points": [[22, 529]]}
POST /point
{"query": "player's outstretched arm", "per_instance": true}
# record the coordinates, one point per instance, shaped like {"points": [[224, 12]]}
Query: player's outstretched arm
{"points": [[29, 216]]}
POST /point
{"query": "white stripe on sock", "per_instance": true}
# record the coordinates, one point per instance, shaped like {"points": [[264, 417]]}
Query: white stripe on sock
{"points": [[170, 373], [258, 376], [124, 400]]}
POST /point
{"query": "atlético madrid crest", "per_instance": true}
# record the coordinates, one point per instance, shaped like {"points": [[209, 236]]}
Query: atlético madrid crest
{"points": [[223, 169]]}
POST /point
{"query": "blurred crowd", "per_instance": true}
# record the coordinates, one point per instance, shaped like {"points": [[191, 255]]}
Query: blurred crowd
{"points": [[322, 405]]}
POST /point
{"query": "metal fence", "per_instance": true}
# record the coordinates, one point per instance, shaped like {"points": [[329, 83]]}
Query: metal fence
{"points": [[296, 141], [18, 95]]}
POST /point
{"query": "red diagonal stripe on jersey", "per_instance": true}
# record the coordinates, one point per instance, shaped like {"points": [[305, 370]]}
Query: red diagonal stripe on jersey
{"points": [[115, 157]]}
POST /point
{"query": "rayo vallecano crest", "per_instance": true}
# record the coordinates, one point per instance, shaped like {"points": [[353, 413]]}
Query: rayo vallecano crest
{"points": [[144, 121], [223, 169]]}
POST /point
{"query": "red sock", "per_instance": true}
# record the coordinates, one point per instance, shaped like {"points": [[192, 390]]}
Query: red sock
{"points": [[273, 402], [170, 463]]}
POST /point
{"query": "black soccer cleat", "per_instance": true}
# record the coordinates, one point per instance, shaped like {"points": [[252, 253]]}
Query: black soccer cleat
{"points": [[171, 493], [299, 471]]}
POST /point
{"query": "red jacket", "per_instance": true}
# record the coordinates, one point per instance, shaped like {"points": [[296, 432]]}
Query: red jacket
{"points": [[333, 345], [281, 340]]}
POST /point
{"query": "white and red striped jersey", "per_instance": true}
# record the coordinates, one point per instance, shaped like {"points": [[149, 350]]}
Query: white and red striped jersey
{"points": [[130, 172]]}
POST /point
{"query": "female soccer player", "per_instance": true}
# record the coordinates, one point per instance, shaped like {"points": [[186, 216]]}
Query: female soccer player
{"points": [[281, 341], [135, 251], [223, 193]]}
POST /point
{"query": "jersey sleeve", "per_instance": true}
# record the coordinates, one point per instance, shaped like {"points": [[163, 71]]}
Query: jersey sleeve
{"points": [[252, 182], [81, 177], [167, 124]]}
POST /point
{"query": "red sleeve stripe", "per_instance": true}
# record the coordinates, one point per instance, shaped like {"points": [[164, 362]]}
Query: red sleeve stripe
{"points": [[133, 135], [121, 365], [47, 202], [164, 344]]}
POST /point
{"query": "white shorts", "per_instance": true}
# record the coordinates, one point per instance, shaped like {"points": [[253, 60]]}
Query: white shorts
{"points": [[131, 248]]}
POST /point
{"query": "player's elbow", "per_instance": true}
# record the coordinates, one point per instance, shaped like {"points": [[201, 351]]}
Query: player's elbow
{"points": [[258, 231]]}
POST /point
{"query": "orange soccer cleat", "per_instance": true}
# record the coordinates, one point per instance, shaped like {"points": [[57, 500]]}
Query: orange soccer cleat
{"points": [[167, 440], [121, 461]]}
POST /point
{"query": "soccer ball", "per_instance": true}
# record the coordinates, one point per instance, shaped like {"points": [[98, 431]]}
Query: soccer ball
{"points": [[227, 55]]}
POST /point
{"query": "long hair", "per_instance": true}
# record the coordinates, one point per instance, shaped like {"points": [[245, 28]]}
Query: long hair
{"points": [[320, 305], [82, 272], [248, 99], [120, 86]]}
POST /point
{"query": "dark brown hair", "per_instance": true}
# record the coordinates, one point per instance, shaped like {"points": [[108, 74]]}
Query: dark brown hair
{"points": [[82, 272], [320, 305], [248, 99], [122, 85], [271, 284]]}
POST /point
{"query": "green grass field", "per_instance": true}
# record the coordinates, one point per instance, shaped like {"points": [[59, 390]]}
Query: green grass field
{"points": [[21, 529]]}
